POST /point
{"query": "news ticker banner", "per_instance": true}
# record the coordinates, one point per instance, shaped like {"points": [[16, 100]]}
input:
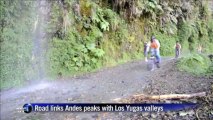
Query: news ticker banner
{"points": [[104, 107]]}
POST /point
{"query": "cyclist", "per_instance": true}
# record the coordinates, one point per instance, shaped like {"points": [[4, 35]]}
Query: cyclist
{"points": [[155, 50]]}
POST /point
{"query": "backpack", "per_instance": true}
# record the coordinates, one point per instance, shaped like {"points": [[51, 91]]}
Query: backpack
{"points": [[154, 45]]}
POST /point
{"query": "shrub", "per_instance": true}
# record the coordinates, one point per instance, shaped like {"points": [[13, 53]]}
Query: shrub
{"points": [[167, 44], [74, 53], [194, 63]]}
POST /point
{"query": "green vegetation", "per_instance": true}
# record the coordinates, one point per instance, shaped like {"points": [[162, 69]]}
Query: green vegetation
{"points": [[16, 42], [167, 43], [99, 37], [116, 32], [195, 64], [86, 35]]}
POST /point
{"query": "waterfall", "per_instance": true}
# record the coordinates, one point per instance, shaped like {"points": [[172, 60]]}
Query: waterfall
{"points": [[39, 39]]}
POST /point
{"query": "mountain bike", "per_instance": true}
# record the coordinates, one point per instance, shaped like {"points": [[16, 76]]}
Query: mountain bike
{"points": [[152, 63]]}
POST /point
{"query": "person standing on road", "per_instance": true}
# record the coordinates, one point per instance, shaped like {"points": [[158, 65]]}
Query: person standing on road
{"points": [[155, 50], [146, 50], [177, 49]]}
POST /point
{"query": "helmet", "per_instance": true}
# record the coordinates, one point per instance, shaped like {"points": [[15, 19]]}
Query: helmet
{"points": [[153, 37]]}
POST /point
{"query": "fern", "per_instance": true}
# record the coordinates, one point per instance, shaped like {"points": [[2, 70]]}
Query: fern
{"points": [[91, 46], [104, 25], [96, 33], [99, 52]]}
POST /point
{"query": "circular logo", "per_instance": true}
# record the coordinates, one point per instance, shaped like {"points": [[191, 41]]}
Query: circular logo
{"points": [[28, 108]]}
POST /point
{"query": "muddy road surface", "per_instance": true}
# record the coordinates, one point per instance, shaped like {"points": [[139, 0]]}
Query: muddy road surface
{"points": [[98, 87]]}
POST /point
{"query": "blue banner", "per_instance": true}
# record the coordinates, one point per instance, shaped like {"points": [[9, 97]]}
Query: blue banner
{"points": [[105, 107]]}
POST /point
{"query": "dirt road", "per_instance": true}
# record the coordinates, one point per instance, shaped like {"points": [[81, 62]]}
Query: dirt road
{"points": [[102, 86]]}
